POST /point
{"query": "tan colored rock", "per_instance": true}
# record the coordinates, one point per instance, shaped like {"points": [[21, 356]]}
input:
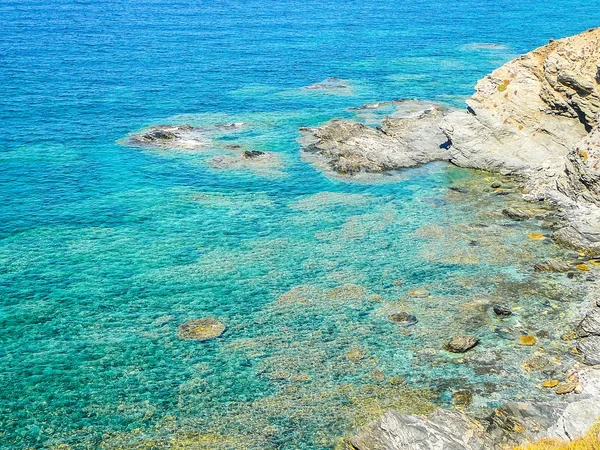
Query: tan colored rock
{"points": [[460, 344], [528, 114], [200, 329]]}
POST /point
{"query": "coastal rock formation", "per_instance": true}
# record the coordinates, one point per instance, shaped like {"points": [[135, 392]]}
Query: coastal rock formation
{"points": [[348, 147], [527, 115], [442, 430], [535, 117], [511, 424]]}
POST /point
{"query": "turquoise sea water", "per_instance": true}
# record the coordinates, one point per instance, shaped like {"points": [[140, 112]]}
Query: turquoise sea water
{"points": [[105, 249]]}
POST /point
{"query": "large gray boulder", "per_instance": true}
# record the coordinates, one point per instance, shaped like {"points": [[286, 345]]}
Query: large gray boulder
{"points": [[347, 147], [442, 430]]}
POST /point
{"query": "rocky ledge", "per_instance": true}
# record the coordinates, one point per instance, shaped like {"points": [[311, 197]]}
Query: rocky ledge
{"points": [[347, 147], [507, 426], [536, 118]]}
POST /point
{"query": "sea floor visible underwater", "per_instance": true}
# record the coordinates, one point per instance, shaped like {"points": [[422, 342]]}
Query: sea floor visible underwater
{"points": [[105, 249]]}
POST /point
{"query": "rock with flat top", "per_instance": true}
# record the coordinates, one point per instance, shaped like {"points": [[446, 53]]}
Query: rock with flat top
{"points": [[460, 344], [347, 147], [442, 430], [200, 329]]}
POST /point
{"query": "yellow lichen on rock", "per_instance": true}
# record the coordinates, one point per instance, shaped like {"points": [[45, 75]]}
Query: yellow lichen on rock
{"points": [[590, 441], [550, 383], [527, 340], [537, 236]]}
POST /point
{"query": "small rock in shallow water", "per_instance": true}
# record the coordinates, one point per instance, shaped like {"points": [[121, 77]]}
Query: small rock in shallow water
{"points": [[501, 310], [536, 363], [565, 388], [200, 329], [356, 354], [527, 340], [582, 267], [550, 383], [552, 265], [496, 185], [460, 344], [462, 399], [397, 381], [252, 154], [403, 319], [518, 213], [377, 375], [418, 293]]}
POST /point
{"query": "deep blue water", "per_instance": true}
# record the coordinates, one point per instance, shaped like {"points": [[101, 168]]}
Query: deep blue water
{"points": [[105, 249]]}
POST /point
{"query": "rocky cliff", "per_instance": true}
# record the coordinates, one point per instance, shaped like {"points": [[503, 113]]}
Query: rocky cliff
{"points": [[537, 116]]}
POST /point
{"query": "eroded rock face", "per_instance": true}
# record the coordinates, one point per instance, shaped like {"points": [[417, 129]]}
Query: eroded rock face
{"points": [[537, 116], [349, 147], [582, 169], [528, 114]]}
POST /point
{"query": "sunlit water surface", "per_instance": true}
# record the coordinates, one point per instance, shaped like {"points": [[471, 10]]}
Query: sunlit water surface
{"points": [[106, 249]]}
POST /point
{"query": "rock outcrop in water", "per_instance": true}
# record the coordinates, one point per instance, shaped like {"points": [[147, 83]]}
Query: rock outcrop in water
{"points": [[349, 147], [170, 136]]}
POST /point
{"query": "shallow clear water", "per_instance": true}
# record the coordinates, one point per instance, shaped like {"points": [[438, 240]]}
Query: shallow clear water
{"points": [[105, 249]]}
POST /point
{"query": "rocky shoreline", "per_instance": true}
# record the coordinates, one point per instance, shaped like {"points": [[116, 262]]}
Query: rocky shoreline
{"points": [[535, 118]]}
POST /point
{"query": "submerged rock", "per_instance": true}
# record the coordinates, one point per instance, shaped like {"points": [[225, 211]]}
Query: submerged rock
{"points": [[403, 319], [171, 136], [462, 399], [348, 147], [527, 340], [460, 344], [418, 293], [332, 85], [200, 329], [501, 310], [552, 265], [253, 160]]}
